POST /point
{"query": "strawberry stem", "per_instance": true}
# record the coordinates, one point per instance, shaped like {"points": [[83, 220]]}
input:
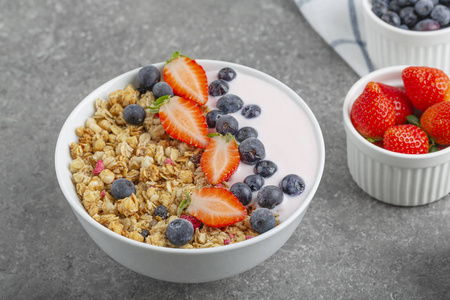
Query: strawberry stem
{"points": [[412, 119], [155, 106], [229, 137], [174, 56], [374, 140], [185, 203]]}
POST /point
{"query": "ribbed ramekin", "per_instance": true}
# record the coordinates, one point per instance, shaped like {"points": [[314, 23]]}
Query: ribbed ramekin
{"points": [[388, 45], [394, 178]]}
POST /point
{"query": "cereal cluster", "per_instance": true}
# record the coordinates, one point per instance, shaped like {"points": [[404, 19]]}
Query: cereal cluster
{"points": [[163, 170]]}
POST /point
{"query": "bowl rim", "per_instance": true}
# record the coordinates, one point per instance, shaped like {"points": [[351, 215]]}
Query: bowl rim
{"points": [[81, 212], [350, 99], [367, 5]]}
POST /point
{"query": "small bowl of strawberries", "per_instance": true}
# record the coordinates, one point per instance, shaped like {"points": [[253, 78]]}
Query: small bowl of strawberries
{"points": [[397, 123]]}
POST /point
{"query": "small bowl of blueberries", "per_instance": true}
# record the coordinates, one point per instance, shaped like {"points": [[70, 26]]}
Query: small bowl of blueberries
{"points": [[408, 32]]}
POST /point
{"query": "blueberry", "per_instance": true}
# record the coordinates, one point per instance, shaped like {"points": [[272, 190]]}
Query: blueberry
{"points": [[404, 3], [379, 7], [441, 14], [265, 168], [292, 185], [262, 220], [179, 232], [144, 233], [427, 25], [403, 26], [242, 192], [269, 196], [394, 6], [147, 77], [218, 87], [122, 188], [161, 211], [254, 181], [245, 133], [227, 74], [162, 89], [212, 117], [251, 151], [423, 7], [229, 103], [408, 16], [251, 111], [391, 18], [227, 124], [134, 114]]}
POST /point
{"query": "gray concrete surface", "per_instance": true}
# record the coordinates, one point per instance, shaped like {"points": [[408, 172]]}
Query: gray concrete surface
{"points": [[53, 53]]}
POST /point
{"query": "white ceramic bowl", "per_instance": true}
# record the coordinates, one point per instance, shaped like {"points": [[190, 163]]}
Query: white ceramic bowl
{"points": [[181, 265], [395, 178], [388, 45]]}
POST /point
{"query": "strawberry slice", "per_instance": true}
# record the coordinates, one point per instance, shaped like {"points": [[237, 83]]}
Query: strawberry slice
{"points": [[216, 207], [187, 78], [220, 159], [183, 120]]}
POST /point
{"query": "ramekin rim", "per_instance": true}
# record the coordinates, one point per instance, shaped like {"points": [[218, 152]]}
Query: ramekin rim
{"points": [[367, 6]]}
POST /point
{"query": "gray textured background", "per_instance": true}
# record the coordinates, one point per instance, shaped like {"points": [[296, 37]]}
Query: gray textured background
{"points": [[53, 53]]}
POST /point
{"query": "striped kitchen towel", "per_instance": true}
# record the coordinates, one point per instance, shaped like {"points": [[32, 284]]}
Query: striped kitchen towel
{"points": [[340, 25]]}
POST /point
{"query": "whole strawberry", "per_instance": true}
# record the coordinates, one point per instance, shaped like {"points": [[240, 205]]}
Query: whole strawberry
{"points": [[402, 106], [426, 86], [406, 138], [372, 113], [435, 121]]}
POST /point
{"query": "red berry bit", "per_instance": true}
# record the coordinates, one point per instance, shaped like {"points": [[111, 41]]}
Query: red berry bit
{"points": [[196, 223], [99, 167], [168, 161]]}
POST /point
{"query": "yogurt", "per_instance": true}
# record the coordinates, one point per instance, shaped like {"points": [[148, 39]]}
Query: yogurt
{"points": [[285, 130]]}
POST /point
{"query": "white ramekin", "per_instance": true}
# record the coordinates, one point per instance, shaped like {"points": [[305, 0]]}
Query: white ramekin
{"points": [[395, 178], [388, 45], [181, 265]]}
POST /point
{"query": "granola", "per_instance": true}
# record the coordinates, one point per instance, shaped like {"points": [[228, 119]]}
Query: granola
{"points": [[162, 169]]}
